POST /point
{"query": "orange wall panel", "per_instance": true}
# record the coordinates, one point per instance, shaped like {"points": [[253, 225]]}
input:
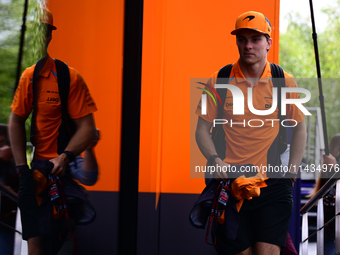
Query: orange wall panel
{"points": [[152, 95], [183, 40], [89, 37]]}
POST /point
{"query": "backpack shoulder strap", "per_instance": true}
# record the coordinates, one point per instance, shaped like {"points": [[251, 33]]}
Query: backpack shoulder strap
{"points": [[67, 127], [277, 74], [63, 83], [279, 82], [225, 74], [217, 131], [38, 67]]}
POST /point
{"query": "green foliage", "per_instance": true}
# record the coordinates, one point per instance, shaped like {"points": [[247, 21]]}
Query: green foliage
{"points": [[297, 58], [11, 12], [9, 27]]}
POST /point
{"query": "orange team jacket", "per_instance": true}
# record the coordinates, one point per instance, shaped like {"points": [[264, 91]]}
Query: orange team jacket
{"points": [[48, 118], [246, 144]]}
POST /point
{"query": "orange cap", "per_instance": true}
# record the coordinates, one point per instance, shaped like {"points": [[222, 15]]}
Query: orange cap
{"points": [[47, 18], [253, 20]]}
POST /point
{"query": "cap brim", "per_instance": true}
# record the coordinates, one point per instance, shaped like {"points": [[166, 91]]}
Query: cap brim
{"points": [[49, 25], [52, 27], [234, 32]]}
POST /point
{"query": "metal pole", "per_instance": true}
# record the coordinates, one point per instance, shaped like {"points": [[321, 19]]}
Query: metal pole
{"points": [[21, 47], [337, 219], [321, 97], [304, 234], [320, 222]]}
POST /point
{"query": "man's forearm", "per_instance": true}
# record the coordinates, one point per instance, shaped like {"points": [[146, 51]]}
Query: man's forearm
{"points": [[17, 134], [205, 144], [83, 136], [297, 147]]}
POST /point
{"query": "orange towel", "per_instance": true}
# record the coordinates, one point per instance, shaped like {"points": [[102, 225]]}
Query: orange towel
{"points": [[247, 188], [41, 185]]}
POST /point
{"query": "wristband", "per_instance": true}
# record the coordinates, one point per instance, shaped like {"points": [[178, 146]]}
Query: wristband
{"points": [[70, 155], [292, 176], [212, 157]]}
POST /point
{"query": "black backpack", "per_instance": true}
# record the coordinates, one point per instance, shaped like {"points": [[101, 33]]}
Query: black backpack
{"points": [[67, 127], [218, 134]]}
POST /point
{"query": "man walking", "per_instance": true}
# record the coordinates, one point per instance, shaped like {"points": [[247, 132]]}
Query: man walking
{"points": [[262, 221]]}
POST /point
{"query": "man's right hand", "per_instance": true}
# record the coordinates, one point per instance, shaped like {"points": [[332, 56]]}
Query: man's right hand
{"points": [[60, 165], [220, 175]]}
